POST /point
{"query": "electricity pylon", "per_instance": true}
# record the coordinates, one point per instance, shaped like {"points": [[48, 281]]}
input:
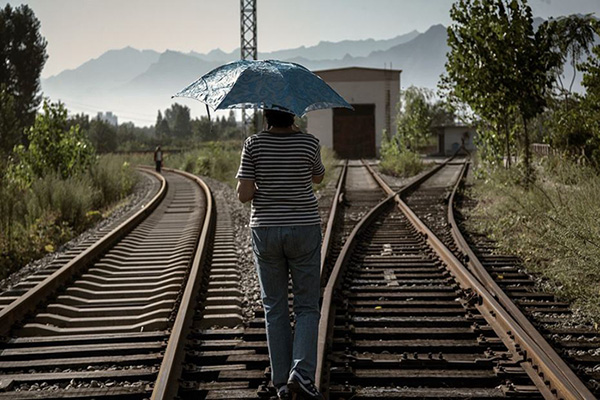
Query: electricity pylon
{"points": [[248, 45]]}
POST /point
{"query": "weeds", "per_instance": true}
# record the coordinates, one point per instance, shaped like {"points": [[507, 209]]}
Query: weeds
{"points": [[36, 220], [553, 226]]}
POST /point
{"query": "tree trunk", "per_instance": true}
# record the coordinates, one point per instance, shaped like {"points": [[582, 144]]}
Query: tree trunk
{"points": [[507, 136], [528, 171]]}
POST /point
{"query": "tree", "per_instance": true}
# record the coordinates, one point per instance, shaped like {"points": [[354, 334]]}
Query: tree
{"points": [[53, 147], [181, 126], [572, 38], [22, 55], [591, 102], [178, 119], [9, 124], [103, 136], [499, 66], [415, 118]]}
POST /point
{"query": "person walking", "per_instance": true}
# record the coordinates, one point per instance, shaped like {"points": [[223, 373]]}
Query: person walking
{"points": [[158, 158], [277, 169]]}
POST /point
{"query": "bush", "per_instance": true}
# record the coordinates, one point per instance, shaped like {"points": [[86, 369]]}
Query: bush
{"points": [[70, 199], [53, 148], [114, 177], [38, 218], [553, 226], [398, 161]]}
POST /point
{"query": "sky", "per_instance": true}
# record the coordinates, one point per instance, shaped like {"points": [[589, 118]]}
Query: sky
{"points": [[79, 30]]}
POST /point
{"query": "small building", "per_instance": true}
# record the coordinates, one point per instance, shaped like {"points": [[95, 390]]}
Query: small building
{"points": [[108, 117], [452, 137], [374, 94]]}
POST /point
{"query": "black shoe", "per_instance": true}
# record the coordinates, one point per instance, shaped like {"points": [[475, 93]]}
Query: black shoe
{"points": [[303, 386], [284, 393]]}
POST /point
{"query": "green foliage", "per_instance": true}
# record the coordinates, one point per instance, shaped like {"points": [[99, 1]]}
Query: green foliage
{"points": [[103, 136], [498, 65], [22, 55], [9, 125], [415, 118], [36, 219], [572, 38], [396, 160], [68, 199], [53, 148], [218, 160], [113, 177], [553, 226]]}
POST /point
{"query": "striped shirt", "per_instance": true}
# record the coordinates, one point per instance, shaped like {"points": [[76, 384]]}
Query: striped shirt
{"points": [[282, 166]]}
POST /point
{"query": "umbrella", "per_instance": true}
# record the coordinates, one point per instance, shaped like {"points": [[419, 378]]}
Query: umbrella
{"points": [[268, 84]]}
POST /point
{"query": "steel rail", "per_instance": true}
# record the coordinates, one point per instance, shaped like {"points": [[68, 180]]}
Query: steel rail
{"points": [[167, 384], [328, 308], [555, 382], [25, 304], [327, 238], [575, 385]]}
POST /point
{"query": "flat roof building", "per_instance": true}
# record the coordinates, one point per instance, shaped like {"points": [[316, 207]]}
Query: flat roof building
{"points": [[374, 93]]}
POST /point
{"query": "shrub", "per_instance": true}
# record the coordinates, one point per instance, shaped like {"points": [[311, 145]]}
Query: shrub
{"points": [[114, 177], [553, 226], [399, 161]]}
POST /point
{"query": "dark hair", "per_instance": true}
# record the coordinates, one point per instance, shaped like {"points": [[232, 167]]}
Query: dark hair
{"points": [[279, 119]]}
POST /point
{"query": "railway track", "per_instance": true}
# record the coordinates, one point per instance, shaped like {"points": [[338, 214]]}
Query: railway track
{"points": [[403, 318], [575, 341], [155, 308], [229, 361], [99, 324]]}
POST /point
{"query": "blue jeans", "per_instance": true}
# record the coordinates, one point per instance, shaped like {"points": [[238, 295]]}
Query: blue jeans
{"points": [[279, 251]]}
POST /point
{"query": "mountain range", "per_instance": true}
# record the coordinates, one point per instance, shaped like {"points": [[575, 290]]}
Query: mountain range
{"points": [[135, 84]]}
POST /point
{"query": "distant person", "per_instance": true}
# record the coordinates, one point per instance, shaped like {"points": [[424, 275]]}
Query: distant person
{"points": [[158, 158], [278, 167]]}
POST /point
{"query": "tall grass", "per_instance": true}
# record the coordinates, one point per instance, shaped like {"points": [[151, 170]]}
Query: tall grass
{"points": [[553, 226], [37, 219]]}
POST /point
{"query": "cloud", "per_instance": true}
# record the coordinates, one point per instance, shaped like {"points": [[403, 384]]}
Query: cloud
{"points": [[546, 1]]}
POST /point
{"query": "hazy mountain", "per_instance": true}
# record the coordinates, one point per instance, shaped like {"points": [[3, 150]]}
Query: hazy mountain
{"points": [[338, 50], [135, 84], [110, 70]]}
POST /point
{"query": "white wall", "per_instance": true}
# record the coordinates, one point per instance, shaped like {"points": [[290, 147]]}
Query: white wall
{"points": [[454, 135], [320, 123]]}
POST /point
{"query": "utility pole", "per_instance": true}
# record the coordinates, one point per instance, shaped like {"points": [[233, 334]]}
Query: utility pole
{"points": [[248, 45]]}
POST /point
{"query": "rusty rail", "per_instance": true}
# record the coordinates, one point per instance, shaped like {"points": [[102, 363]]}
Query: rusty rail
{"points": [[560, 377], [332, 215], [327, 312], [167, 383], [552, 380], [37, 295]]}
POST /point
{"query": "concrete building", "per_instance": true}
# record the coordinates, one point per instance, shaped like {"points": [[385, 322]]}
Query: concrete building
{"points": [[374, 94], [108, 117], [451, 137]]}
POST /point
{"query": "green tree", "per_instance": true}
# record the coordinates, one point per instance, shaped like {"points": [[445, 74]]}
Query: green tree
{"points": [[181, 126], [415, 118], [103, 136], [53, 147], [22, 55], [573, 37], [499, 66], [591, 102], [178, 119], [9, 124]]}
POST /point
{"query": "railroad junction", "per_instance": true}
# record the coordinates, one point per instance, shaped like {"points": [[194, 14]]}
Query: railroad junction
{"points": [[162, 303]]}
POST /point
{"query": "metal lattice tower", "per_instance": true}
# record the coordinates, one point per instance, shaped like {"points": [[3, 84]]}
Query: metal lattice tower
{"points": [[248, 42]]}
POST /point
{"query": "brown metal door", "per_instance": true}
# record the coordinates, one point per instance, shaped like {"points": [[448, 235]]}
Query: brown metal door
{"points": [[354, 131]]}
